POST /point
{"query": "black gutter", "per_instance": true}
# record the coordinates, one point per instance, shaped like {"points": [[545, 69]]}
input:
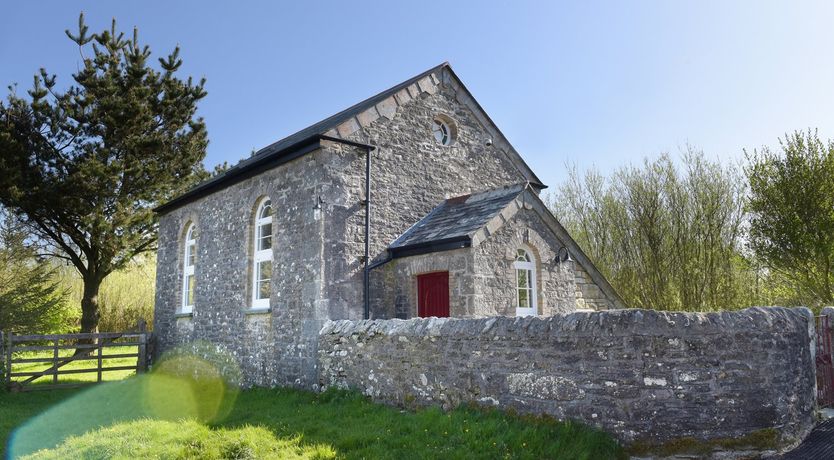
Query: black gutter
{"points": [[455, 242], [380, 262], [346, 142], [366, 273], [242, 171], [252, 167]]}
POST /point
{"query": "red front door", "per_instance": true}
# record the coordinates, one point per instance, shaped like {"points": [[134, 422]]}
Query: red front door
{"points": [[433, 294]]}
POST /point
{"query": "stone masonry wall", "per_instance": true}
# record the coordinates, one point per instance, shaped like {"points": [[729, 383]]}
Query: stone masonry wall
{"points": [[482, 279], [642, 375], [397, 282], [275, 347], [496, 280], [588, 294], [411, 174]]}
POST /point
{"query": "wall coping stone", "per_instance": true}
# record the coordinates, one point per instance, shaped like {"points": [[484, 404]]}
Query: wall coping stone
{"points": [[608, 323]]}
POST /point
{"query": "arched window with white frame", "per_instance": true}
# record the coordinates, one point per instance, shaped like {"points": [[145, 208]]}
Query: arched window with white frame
{"points": [[262, 259], [525, 279], [189, 259]]}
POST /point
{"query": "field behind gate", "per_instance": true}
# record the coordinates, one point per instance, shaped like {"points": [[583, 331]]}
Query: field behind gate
{"points": [[39, 362]]}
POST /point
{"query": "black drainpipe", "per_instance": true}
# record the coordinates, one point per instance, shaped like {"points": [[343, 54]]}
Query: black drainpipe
{"points": [[366, 278]]}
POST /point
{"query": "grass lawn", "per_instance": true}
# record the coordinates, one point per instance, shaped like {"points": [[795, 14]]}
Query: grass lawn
{"points": [[282, 423]]}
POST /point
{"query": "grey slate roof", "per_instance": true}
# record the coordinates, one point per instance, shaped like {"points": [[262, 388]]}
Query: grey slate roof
{"points": [[337, 119], [303, 142], [272, 153], [457, 219], [454, 222]]}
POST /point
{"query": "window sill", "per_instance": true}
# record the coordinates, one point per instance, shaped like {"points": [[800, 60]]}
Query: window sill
{"points": [[181, 314], [257, 311]]}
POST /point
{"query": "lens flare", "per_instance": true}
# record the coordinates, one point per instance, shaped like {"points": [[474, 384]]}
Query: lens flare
{"points": [[198, 381]]}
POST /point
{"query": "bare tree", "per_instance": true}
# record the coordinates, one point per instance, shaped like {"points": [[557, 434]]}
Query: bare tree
{"points": [[666, 237]]}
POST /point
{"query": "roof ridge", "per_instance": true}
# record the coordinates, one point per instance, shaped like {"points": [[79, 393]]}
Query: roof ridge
{"points": [[481, 194]]}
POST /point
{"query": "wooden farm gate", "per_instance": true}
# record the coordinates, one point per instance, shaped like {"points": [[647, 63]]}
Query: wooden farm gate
{"points": [[50, 349], [824, 362]]}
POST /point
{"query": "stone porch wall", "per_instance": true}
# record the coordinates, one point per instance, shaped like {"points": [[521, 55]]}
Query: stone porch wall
{"points": [[642, 375], [482, 278], [588, 294], [396, 283], [494, 264]]}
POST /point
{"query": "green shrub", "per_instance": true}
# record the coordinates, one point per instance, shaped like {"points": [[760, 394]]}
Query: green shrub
{"points": [[31, 301], [125, 297]]}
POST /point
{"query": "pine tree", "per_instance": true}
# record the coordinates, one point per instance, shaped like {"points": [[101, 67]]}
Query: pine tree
{"points": [[85, 167], [31, 301]]}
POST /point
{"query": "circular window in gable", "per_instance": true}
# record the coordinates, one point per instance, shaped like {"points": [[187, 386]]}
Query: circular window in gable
{"points": [[444, 130]]}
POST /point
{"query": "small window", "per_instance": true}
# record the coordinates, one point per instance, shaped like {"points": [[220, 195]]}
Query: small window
{"points": [[444, 130], [262, 260], [442, 133], [525, 277], [189, 260]]}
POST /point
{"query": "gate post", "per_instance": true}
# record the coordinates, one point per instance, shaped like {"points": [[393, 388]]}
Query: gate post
{"points": [[8, 365], [824, 359], [2, 357], [142, 364], [829, 313]]}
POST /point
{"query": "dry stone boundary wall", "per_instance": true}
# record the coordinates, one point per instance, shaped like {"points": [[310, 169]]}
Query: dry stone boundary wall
{"points": [[642, 375]]}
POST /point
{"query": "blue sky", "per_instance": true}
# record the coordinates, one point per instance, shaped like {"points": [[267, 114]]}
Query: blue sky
{"points": [[588, 83]]}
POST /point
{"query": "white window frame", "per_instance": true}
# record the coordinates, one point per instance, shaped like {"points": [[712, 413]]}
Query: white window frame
{"points": [[442, 132], [189, 249], [528, 265], [263, 255]]}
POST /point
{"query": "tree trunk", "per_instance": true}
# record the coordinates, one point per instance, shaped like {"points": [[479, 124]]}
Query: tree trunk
{"points": [[89, 304]]}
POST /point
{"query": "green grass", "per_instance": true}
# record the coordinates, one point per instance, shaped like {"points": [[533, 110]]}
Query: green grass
{"points": [[180, 440], [76, 365], [302, 424], [15, 408]]}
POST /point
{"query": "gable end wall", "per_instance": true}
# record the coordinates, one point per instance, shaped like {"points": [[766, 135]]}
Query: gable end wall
{"points": [[495, 285], [410, 174]]}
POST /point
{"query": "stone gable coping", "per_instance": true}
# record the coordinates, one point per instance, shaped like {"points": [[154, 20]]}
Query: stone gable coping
{"points": [[387, 108], [348, 127], [367, 117], [413, 91], [403, 97], [427, 85]]}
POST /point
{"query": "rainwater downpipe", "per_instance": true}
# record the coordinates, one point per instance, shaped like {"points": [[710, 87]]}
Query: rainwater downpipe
{"points": [[366, 271]]}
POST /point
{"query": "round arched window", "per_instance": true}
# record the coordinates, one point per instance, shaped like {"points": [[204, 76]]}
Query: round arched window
{"points": [[262, 260], [444, 131], [525, 277]]}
